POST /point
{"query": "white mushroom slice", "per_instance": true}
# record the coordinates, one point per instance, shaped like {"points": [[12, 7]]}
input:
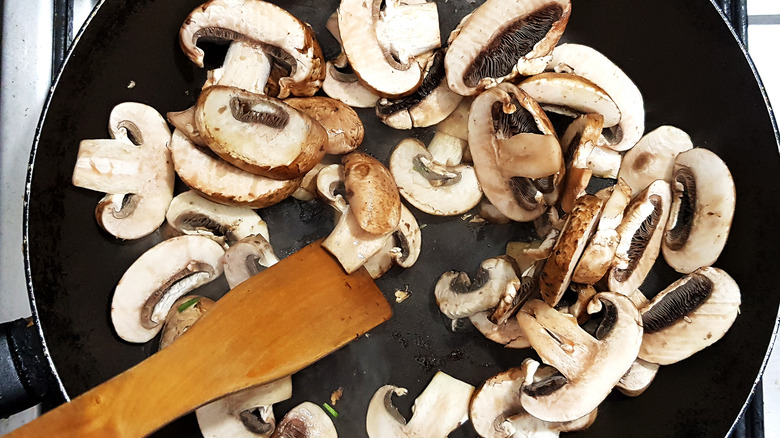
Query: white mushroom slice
{"points": [[134, 170], [641, 233], [428, 105], [183, 314], [571, 94], [192, 214], [184, 122], [691, 314], [502, 39], [457, 123], [403, 249], [244, 414], [638, 378], [519, 252], [160, 276], [438, 410], [446, 149], [306, 420], [597, 68], [408, 29], [246, 258], [498, 114], [346, 87], [590, 366], [287, 39], [372, 193], [600, 252], [351, 244], [703, 200], [431, 187], [529, 155], [341, 122], [653, 157], [458, 296], [198, 168], [330, 185], [372, 61], [558, 269], [507, 333], [259, 134], [246, 66]]}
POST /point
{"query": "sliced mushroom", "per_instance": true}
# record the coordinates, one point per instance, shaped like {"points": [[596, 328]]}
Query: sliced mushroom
{"points": [[653, 157], [589, 366], [184, 122], [134, 169], [446, 149], [192, 214], [597, 68], [703, 200], [346, 87], [259, 134], [438, 410], [691, 314], [458, 296], [307, 191], [403, 249], [600, 252], [570, 94], [638, 378], [350, 243], [502, 39], [220, 181], [244, 414], [641, 233], [246, 66], [289, 41], [558, 269], [490, 213], [246, 258], [499, 114], [161, 275], [428, 105], [372, 193], [344, 128], [183, 314], [457, 123], [506, 333], [431, 187], [330, 186], [306, 420]]}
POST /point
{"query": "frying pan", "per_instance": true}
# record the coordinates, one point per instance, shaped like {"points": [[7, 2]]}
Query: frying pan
{"points": [[682, 55]]}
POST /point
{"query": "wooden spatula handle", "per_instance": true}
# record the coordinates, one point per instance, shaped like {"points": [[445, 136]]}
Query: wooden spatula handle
{"points": [[271, 326]]}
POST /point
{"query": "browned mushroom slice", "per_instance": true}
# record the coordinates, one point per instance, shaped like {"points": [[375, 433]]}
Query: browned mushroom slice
{"points": [[702, 210], [653, 157], [581, 144], [341, 122], [641, 232], [183, 314], [558, 269], [459, 296], [691, 314], [372, 193], [259, 134], [502, 39], [289, 41]]}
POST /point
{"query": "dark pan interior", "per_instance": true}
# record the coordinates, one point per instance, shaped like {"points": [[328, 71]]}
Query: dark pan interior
{"points": [[682, 56]]}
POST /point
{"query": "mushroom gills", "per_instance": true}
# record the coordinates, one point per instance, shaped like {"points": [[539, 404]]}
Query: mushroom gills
{"points": [[246, 258]]}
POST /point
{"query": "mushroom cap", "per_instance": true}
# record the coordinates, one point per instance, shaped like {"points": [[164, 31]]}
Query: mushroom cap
{"points": [[691, 314], [458, 296], [161, 275], [703, 201], [372, 193], [247, 257], [431, 187], [341, 122], [261, 23], [306, 420], [502, 39], [259, 134], [653, 157], [220, 181]]}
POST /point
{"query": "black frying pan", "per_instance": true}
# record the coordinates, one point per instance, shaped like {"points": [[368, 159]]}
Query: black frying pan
{"points": [[693, 74]]}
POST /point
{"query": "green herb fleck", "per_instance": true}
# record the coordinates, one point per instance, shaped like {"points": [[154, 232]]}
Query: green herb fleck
{"points": [[187, 304], [421, 168], [330, 410]]}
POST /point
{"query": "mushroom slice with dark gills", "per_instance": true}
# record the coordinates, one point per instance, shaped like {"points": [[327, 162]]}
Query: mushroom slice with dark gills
{"points": [[502, 39], [219, 181], [438, 410], [653, 157], [589, 366], [192, 214], [259, 134], [290, 42], [559, 267], [402, 249], [592, 65], [703, 200], [428, 105], [458, 296], [247, 257], [691, 314], [306, 420], [133, 169], [641, 233], [499, 114], [443, 190], [160, 276]]}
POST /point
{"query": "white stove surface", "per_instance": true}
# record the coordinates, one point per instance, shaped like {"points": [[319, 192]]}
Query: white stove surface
{"points": [[25, 81]]}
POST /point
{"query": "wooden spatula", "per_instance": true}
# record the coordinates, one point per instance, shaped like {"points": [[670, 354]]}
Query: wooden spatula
{"points": [[270, 326]]}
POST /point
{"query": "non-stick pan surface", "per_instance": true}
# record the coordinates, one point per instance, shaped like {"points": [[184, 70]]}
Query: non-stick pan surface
{"points": [[692, 73]]}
